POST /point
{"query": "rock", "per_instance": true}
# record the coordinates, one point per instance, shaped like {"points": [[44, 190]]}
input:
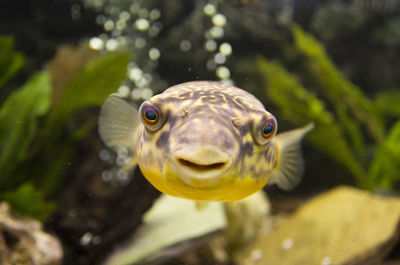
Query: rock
{"points": [[342, 226], [23, 242]]}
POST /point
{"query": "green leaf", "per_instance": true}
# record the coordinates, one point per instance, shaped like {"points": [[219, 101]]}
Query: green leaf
{"points": [[10, 61], [344, 95], [100, 78], [18, 121], [384, 171], [29, 201], [387, 102], [300, 106]]}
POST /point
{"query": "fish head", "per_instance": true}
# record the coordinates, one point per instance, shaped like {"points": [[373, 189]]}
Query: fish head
{"points": [[206, 141]]}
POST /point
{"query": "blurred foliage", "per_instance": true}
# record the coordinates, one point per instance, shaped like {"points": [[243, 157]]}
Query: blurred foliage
{"points": [[19, 120], [88, 88], [10, 60], [91, 86], [300, 106], [388, 103], [385, 168], [37, 141], [29, 201], [350, 127]]}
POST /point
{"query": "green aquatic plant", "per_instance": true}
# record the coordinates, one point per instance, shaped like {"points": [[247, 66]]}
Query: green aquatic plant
{"points": [[36, 140], [10, 61], [385, 168], [30, 201], [348, 123], [88, 88], [19, 116], [299, 106]]}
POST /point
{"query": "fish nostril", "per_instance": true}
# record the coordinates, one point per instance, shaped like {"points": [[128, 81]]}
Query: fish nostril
{"points": [[196, 166]]}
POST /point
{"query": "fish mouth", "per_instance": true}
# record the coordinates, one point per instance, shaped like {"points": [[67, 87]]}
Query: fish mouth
{"points": [[202, 166], [199, 167]]}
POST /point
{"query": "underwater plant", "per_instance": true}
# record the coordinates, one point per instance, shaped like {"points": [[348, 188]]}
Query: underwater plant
{"points": [[354, 130], [35, 147]]}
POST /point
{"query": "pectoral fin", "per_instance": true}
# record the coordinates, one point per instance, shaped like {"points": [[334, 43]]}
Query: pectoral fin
{"points": [[118, 123], [290, 164]]}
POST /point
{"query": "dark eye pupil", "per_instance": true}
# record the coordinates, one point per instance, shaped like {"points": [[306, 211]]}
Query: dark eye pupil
{"points": [[150, 114], [268, 128]]}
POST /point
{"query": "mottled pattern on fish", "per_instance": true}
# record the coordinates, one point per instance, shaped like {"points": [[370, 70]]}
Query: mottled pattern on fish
{"points": [[203, 112], [205, 141]]}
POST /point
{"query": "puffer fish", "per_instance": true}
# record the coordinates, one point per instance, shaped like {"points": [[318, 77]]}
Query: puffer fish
{"points": [[205, 141]]}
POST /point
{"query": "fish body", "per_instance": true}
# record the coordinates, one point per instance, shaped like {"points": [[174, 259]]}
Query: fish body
{"points": [[205, 141]]}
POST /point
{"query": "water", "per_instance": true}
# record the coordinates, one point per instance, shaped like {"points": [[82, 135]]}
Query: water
{"points": [[335, 63]]}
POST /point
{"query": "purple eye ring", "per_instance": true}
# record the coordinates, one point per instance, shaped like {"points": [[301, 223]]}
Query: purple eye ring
{"points": [[150, 115], [268, 128]]}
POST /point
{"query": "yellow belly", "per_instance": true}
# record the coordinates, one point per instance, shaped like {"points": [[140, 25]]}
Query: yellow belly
{"points": [[231, 188]]}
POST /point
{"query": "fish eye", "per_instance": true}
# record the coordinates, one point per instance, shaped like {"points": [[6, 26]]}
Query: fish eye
{"points": [[150, 116], [266, 130]]}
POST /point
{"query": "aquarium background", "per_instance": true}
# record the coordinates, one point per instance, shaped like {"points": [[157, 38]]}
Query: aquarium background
{"points": [[336, 63]]}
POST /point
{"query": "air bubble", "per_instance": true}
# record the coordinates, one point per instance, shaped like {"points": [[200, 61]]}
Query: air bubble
{"points": [[185, 45], [141, 82], [123, 91], [122, 175], [223, 72], [122, 152], [124, 15], [114, 10], [211, 65], [144, 12], [104, 155], [147, 93], [228, 82], [100, 19], [111, 45], [121, 25], [135, 73], [86, 239], [154, 30], [210, 45], [109, 25], [75, 12], [106, 176], [121, 161], [219, 20], [96, 43], [216, 32], [136, 94], [219, 58], [122, 40], [154, 14], [154, 54], [142, 24], [140, 43], [135, 7], [98, 3], [209, 9], [225, 48], [148, 77], [72, 213]]}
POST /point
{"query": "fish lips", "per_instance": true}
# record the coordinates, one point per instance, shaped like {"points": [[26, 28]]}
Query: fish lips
{"points": [[200, 167]]}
